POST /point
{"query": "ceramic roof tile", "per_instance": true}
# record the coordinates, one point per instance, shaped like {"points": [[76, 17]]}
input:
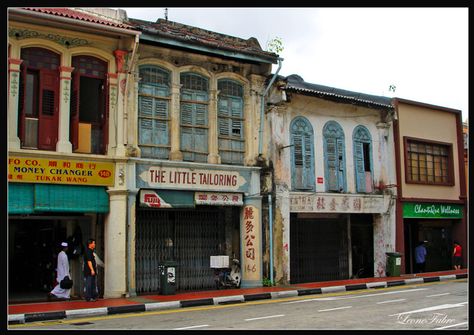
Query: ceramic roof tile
{"points": [[79, 15]]}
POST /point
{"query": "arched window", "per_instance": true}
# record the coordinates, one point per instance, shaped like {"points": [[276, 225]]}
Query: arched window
{"points": [[89, 105], [230, 115], [334, 157], [153, 112], [302, 155], [39, 99], [194, 117], [362, 142]]}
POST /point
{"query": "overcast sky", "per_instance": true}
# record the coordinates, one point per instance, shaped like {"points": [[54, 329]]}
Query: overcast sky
{"points": [[422, 51]]}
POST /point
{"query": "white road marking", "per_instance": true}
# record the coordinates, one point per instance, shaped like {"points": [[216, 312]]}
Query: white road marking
{"points": [[433, 308], [356, 296], [389, 301], [334, 309], [437, 295], [315, 299], [450, 326], [265, 317], [190, 327]]}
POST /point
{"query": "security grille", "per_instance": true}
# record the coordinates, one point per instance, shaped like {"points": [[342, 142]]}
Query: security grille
{"points": [[318, 250], [196, 235]]}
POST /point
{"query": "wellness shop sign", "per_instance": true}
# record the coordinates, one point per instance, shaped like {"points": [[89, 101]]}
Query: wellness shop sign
{"points": [[432, 211], [60, 171]]}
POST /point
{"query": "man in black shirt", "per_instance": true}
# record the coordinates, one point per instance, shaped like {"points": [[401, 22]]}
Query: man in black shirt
{"points": [[90, 271]]}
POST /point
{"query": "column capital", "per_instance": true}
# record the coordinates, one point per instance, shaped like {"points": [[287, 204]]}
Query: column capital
{"points": [[66, 69], [120, 60]]}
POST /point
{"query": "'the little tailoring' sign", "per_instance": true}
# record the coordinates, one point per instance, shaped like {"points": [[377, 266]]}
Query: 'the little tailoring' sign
{"points": [[197, 179]]}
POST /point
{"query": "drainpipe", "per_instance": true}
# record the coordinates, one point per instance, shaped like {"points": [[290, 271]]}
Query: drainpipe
{"points": [[270, 220], [131, 195], [260, 146], [262, 107], [125, 109]]}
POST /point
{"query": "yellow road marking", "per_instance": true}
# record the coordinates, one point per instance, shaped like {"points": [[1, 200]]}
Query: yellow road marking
{"points": [[213, 307]]}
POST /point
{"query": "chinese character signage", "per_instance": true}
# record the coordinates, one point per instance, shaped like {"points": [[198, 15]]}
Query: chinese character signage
{"points": [[218, 199], [338, 203], [433, 211], [60, 171], [251, 237]]}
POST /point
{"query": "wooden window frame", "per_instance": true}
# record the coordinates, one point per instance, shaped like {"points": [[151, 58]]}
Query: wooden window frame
{"points": [[450, 164], [165, 147], [295, 184], [192, 152], [45, 96], [231, 137]]}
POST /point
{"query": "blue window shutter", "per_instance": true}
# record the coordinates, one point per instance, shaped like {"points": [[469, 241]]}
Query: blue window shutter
{"points": [[362, 159], [359, 166], [332, 164], [302, 155], [194, 139], [230, 122], [153, 112]]}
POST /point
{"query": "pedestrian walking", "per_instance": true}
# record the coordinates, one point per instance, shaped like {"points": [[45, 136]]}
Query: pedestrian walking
{"points": [[420, 257], [457, 256], [62, 270], [90, 271]]}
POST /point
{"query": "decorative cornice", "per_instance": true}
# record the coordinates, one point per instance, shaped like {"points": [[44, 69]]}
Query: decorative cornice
{"points": [[68, 42]]}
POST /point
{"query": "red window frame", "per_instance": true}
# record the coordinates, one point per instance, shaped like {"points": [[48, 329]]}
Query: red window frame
{"points": [[44, 64]]}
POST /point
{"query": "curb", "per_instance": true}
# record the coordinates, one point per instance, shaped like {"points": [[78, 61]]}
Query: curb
{"points": [[70, 314]]}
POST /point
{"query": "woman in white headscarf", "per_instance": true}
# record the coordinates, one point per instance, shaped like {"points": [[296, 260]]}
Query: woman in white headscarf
{"points": [[62, 271]]}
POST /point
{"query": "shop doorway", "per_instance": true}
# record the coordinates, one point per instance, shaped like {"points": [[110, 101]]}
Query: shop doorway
{"points": [[187, 236], [33, 246], [318, 249], [362, 244], [438, 233]]}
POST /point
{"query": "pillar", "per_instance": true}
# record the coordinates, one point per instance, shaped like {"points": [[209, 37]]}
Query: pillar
{"points": [[251, 242], [213, 156], [64, 144], [122, 82], [115, 245], [13, 98], [175, 154]]}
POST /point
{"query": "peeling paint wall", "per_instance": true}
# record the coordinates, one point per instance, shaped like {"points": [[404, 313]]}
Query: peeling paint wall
{"points": [[318, 111]]}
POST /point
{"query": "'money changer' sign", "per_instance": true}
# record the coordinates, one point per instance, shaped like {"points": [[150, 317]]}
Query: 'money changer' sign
{"points": [[432, 211]]}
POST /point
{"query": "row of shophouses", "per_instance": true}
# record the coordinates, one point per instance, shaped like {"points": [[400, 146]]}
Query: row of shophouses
{"points": [[165, 141]]}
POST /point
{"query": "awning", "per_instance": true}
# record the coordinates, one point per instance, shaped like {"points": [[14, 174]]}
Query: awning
{"points": [[24, 198]]}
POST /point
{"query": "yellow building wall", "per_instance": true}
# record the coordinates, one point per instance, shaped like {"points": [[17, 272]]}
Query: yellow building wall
{"points": [[433, 125]]}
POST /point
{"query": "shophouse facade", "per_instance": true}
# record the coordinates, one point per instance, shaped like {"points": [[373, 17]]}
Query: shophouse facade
{"points": [[66, 154], [432, 199], [333, 164], [193, 174]]}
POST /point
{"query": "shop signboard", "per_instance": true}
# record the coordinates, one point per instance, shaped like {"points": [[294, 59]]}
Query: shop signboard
{"points": [[432, 211], [60, 171], [218, 199]]}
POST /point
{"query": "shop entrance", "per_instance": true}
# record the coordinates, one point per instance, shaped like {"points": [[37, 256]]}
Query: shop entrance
{"points": [[438, 233], [362, 242], [318, 249], [188, 237], [33, 246]]}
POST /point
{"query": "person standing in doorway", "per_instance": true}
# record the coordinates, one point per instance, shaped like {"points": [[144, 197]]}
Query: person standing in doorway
{"points": [[457, 256], [420, 257], [62, 270], [90, 271]]}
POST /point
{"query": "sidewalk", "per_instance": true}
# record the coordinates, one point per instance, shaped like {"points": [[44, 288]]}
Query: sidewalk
{"points": [[55, 310]]}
